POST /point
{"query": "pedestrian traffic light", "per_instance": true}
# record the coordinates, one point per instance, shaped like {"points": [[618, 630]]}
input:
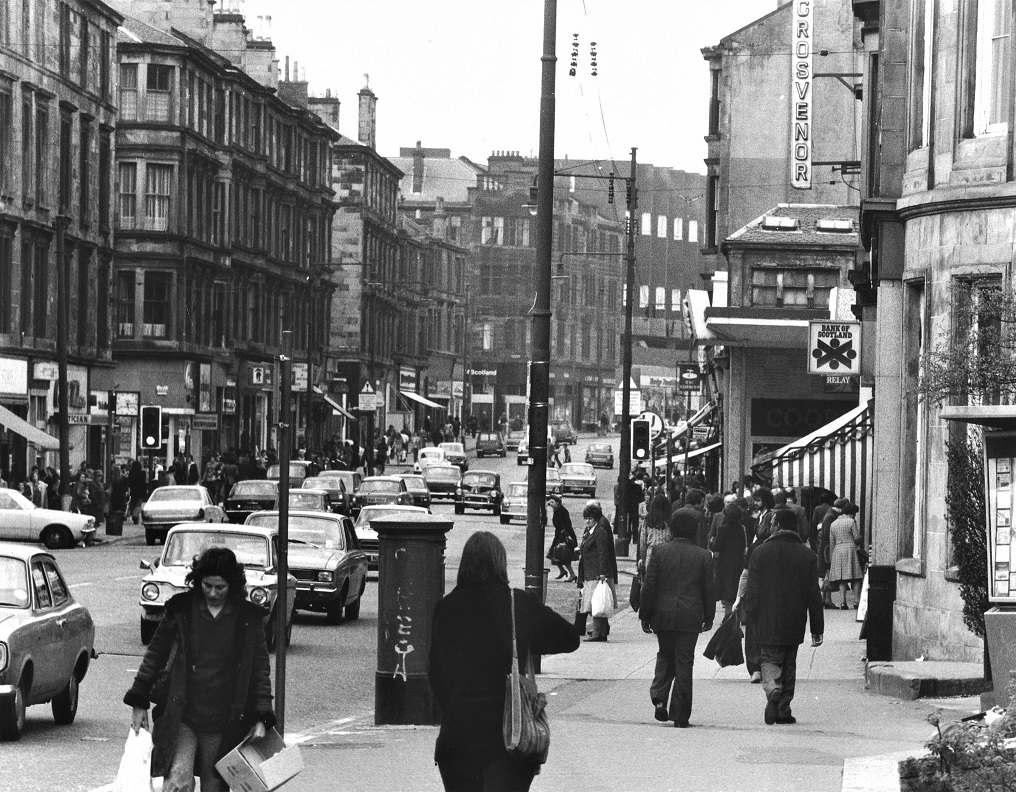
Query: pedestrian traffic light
{"points": [[151, 427], [640, 439]]}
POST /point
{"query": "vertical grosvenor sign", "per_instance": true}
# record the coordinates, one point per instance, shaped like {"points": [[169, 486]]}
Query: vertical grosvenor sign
{"points": [[800, 95]]}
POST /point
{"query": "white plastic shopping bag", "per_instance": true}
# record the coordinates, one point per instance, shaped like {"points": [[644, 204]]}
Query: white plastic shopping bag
{"points": [[603, 602], [135, 773]]}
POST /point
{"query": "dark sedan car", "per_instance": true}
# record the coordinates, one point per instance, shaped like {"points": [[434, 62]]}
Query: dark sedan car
{"points": [[250, 496], [417, 486], [600, 455], [339, 500], [376, 490], [490, 444], [479, 489], [442, 480]]}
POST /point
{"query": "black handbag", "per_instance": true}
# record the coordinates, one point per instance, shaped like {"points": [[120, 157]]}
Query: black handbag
{"points": [[159, 692], [635, 593]]}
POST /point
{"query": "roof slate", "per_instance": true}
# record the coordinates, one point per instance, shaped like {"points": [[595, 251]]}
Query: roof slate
{"points": [[807, 216]]}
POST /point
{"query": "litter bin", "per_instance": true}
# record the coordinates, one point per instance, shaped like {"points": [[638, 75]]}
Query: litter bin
{"points": [[878, 621], [114, 523], [410, 583]]}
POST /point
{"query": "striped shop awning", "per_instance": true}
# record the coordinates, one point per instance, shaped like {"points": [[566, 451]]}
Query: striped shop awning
{"points": [[838, 457]]}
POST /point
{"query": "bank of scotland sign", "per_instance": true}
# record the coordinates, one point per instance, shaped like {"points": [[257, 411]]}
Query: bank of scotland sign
{"points": [[834, 348]]}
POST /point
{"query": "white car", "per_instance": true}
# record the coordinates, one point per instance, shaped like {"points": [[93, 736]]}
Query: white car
{"points": [[515, 502], [174, 504], [455, 454], [23, 521], [367, 536], [578, 477], [257, 548], [429, 456]]}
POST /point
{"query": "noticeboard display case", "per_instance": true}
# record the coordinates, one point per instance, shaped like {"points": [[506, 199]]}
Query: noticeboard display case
{"points": [[1000, 500]]}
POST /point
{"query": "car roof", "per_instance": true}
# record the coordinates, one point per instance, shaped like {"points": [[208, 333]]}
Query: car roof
{"points": [[381, 478], [165, 487], [481, 471], [23, 552], [292, 513], [440, 467], [311, 490], [394, 507], [222, 528]]}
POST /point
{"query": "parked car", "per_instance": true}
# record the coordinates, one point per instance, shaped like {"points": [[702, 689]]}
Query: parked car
{"points": [[23, 521], [554, 484], [339, 501], [565, 433], [250, 496], [490, 444], [600, 455], [417, 487], [442, 480], [367, 536], [350, 479], [523, 447], [326, 560], [479, 489], [375, 490], [46, 639], [431, 455], [256, 546], [175, 504], [311, 500], [578, 477], [455, 454], [515, 436], [299, 469], [515, 503]]}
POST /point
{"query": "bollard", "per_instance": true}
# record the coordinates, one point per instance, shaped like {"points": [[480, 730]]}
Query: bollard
{"points": [[410, 583]]}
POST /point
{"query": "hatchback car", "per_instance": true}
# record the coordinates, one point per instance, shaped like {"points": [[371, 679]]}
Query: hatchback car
{"points": [[350, 479], [326, 560], [514, 505], [479, 489], [490, 444], [442, 480], [455, 454], [417, 486], [600, 455], [427, 457], [313, 500], [367, 536], [339, 501], [257, 548], [299, 469], [578, 477], [515, 436], [173, 504], [23, 521], [555, 485], [376, 490], [46, 639], [250, 496]]}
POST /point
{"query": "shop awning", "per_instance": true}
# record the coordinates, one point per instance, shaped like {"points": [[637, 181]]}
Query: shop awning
{"points": [[334, 404], [679, 458], [838, 457], [21, 427], [421, 400]]}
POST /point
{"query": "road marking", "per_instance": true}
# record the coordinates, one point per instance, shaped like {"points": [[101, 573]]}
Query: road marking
{"points": [[80, 585], [129, 577], [330, 728]]}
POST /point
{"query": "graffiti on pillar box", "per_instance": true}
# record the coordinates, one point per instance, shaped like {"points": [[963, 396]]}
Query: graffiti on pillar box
{"points": [[403, 634]]}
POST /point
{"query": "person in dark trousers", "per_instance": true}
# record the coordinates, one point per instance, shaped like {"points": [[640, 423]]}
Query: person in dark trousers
{"points": [[137, 481], [564, 544], [817, 515], [781, 594], [597, 564], [470, 656], [220, 691], [803, 527], [693, 506], [729, 547], [678, 603]]}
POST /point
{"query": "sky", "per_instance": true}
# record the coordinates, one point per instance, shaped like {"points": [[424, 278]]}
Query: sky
{"points": [[465, 74]]}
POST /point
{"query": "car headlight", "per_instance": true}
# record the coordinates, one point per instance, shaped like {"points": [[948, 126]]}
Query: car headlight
{"points": [[458, 491], [259, 596], [4, 657], [150, 592], [325, 577]]}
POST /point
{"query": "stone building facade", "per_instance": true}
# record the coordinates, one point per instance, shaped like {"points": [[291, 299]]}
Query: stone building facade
{"points": [[57, 116]]}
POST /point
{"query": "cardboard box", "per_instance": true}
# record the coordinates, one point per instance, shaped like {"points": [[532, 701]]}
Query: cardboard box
{"points": [[260, 765]]}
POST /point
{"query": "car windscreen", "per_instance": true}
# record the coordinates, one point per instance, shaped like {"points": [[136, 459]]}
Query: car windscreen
{"points": [[175, 494], [380, 486], [576, 469], [254, 489], [319, 533], [330, 484], [369, 514], [517, 490], [486, 437], [442, 474], [295, 471], [480, 479], [13, 583], [415, 482], [553, 474], [304, 500], [250, 549], [596, 448], [453, 448]]}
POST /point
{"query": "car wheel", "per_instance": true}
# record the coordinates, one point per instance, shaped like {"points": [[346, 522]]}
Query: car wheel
{"points": [[505, 519], [460, 509], [149, 536], [52, 537], [497, 509], [147, 631], [504, 454], [65, 704], [352, 611], [334, 613], [12, 714]]}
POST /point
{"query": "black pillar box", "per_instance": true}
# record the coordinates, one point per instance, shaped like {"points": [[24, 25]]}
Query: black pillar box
{"points": [[878, 621], [410, 583]]}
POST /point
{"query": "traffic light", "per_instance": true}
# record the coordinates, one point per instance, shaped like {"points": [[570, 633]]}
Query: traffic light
{"points": [[151, 427], [610, 189], [640, 439]]}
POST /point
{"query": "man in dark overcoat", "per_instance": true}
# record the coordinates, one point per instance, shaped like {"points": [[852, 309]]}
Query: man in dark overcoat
{"points": [[781, 594], [678, 603]]}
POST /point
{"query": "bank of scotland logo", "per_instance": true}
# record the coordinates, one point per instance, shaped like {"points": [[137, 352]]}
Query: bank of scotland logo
{"points": [[835, 354]]}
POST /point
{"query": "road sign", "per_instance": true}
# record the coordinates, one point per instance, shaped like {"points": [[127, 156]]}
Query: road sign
{"points": [[368, 398], [689, 378], [655, 423], [634, 408], [834, 347]]}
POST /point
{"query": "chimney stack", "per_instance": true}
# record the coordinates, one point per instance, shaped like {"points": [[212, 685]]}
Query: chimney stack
{"points": [[368, 117]]}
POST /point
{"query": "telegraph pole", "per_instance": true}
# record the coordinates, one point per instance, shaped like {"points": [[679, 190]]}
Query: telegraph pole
{"points": [[62, 329], [539, 375], [621, 526]]}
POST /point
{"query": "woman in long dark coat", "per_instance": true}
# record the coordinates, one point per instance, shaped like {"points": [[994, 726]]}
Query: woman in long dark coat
{"points": [[728, 545], [597, 564], [563, 546], [219, 688], [470, 656], [137, 481]]}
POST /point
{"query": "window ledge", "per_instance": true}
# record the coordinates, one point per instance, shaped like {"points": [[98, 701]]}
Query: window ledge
{"points": [[910, 566], [952, 574]]}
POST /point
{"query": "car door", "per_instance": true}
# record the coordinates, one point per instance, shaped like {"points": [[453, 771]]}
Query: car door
{"points": [[45, 649], [356, 558], [73, 624], [15, 522]]}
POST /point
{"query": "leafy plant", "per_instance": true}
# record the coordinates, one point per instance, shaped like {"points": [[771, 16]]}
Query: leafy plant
{"points": [[965, 509]]}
